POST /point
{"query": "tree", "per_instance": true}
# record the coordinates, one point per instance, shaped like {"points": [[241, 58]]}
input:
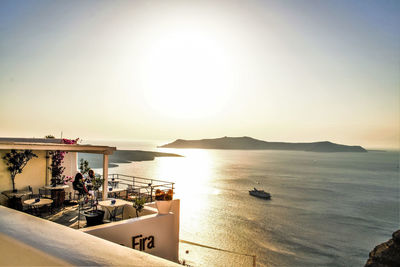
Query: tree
{"points": [[84, 166], [16, 162]]}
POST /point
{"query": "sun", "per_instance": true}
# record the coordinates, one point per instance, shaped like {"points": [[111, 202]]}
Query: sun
{"points": [[186, 74]]}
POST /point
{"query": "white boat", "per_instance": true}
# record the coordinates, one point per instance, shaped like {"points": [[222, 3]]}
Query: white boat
{"points": [[260, 193]]}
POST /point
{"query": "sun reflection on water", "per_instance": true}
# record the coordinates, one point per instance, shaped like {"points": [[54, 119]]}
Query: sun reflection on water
{"points": [[193, 175], [206, 200], [192, 172]]}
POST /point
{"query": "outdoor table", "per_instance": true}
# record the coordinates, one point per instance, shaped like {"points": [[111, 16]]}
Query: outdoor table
{"points": [[14, 198], [112, 192], [42, 202], [57, 194], [35, 205], [113, 183], [112, 208]]}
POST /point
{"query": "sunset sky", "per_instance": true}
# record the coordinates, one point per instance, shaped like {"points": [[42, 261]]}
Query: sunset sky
{"points": [[161, 70]]}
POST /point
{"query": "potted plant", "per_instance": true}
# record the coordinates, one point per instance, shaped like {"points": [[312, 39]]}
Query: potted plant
{"points": [[138, 205], [95, 216], [97, 182], [163, 201], [84, 166], [16, 162]]}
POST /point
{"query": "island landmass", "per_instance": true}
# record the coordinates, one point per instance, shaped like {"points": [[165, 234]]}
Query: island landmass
{"points": [[124, 156], [248, 143]]}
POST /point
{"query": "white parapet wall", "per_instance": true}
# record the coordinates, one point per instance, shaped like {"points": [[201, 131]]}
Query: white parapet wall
{"points": [[155, 234], [26, 240]]}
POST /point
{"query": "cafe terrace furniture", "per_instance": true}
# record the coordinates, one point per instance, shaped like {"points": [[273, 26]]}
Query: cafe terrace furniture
{"points": [[44, 193], [113, 183], [84, 203], [36, 204], [57, 194], [113, 208], [113, 192], [14, 198]]}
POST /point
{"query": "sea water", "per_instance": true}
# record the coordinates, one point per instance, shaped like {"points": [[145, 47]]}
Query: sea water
{"points": [[327, 209]]}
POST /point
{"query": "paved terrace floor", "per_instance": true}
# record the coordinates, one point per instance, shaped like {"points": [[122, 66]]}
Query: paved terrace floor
{"points": [[68, 216]]}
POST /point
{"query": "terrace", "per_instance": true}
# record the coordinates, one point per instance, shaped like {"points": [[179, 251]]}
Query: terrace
{"points": [[121, 224], [124, 187]]}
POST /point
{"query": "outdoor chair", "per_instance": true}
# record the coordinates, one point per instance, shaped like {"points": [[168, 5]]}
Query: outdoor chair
{"points": [[83, 202], [34, 196], [119, 215], [130, 192], [77, 195], [133, 193], [26, 208], [148, 194], [44, 193]]}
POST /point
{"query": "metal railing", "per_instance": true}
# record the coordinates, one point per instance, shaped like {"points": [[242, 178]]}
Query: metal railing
{"points": [[138, 186], [238, 261]]}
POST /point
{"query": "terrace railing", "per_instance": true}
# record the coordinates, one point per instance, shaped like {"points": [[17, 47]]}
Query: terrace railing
{"points": [[139, 186]]}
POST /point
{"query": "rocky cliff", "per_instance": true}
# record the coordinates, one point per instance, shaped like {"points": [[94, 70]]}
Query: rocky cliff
{"points": [[386, 254]]}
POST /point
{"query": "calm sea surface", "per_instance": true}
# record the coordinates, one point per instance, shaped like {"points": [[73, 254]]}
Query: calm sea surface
{"points": [[327, 209]]}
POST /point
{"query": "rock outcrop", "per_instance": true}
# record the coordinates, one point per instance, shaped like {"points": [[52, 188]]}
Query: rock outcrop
{"points": [[386, 254]]}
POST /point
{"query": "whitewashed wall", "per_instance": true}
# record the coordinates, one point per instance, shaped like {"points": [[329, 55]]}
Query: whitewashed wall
{"points": [[71, 168], [34, 174], [162, 229], [71, 164], [26, 240]]}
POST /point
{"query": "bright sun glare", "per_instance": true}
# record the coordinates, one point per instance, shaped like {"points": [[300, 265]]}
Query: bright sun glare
{"points": [[199, 165], [185, 74]]}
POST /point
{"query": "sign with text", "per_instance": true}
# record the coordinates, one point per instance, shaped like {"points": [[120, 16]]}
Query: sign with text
{"points": [[141, 243]]}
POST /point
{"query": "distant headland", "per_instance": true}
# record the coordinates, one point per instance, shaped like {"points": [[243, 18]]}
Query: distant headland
{"points": [[124, 156], [248, 143]]}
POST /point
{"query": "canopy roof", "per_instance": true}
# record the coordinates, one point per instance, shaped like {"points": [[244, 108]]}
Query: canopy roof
{"points": [[52, 144]]}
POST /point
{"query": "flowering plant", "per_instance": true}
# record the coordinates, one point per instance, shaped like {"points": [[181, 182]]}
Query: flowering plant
{"points": [[56, 167], [70, 141], [68, 179], [162, 195], [57, 170]]}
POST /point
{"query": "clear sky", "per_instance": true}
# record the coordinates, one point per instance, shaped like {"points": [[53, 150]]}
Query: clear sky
{"points": [[161, 70]]}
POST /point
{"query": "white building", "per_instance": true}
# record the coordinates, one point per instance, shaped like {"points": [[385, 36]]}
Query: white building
{"points": [[47, 243]]}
